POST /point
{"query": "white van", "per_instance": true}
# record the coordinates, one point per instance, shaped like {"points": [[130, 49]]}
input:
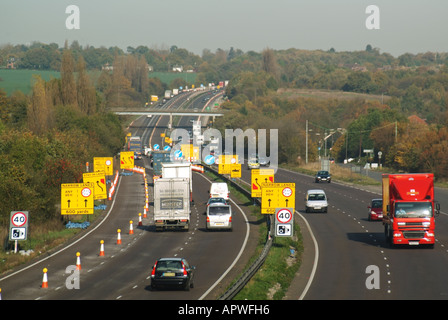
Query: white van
{"points": [[219, 216], [219, 190], [316, 200]]}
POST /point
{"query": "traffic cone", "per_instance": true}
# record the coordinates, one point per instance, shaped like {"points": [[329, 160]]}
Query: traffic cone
{"points": [[119, 236], [102, 248], [145, 212], [140, 219], [45, 279], [131, 227], [0, 293], [78, 261]]}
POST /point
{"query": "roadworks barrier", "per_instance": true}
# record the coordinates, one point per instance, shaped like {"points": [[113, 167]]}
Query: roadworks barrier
{"points": [[113, 186], [77, 225]]}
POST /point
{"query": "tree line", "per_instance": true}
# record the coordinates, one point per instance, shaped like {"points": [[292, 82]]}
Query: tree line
{"points": [[47, 137]]}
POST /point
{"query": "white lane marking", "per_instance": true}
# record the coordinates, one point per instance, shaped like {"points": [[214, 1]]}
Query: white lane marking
{"points": [[239, 254]]}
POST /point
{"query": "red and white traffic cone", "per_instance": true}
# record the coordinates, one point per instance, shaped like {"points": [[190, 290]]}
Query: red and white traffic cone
{"points": [[119, 236], [78, 261], [102, 248], [45, 279], [131, 227], [140, 219]]}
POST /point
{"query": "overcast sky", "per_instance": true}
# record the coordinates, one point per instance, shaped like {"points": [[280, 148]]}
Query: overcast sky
{"points": [[404, 25]]}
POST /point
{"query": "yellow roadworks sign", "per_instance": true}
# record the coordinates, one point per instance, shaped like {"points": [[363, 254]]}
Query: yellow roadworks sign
{"points": [[259, 176], [126, 160], [105, 164], [76, 198], [98, 179], [277, 195], [235, 170]]}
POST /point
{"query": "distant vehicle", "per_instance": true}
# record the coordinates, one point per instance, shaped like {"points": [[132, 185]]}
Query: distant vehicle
{"points": [[219, 216], [322, 176], [219, 190], [263, 161], [253, 163], [173, 272], [216, 200], [159, 157], [375, 210], [135, 145], [168, 94], [316, 200]]}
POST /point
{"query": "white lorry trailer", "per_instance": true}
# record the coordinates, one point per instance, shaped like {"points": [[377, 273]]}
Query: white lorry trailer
{"points": [[172, 203], [179, 170]]}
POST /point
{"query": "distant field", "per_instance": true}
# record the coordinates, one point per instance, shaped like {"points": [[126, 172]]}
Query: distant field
{"points": [[167, 77], [329, 94], [12, 80]]}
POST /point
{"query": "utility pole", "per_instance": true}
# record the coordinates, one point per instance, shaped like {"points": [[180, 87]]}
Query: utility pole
{"points": [[306, 143]]}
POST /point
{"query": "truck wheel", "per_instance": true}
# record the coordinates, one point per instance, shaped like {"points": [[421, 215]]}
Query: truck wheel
{"points": [[389, 237]]}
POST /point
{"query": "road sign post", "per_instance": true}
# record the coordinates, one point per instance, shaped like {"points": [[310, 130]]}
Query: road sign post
{"points": [[18, 227]]}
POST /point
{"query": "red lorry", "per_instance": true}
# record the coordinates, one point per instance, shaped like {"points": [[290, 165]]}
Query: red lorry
{"points": [[409, 208]]}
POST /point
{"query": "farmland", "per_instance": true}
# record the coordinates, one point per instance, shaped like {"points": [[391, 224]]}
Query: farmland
{"points": [[22, 80]]}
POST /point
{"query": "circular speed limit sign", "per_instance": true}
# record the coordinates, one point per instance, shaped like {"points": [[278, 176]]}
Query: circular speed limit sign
{"points": [[19, 219], [284, 216], [86, 192], [287, 192]]}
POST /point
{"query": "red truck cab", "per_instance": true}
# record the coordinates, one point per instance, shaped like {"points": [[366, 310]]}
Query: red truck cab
{"points": [[409, 209]]}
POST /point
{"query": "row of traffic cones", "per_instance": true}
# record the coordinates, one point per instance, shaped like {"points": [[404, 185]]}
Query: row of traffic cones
{"points": [[102, 253], [45, 271]]}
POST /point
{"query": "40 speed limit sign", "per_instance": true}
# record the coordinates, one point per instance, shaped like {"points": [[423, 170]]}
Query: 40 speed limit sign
{"points": [[18, 225], [284, 222]]}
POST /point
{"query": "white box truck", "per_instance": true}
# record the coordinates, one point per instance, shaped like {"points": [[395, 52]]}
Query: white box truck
{"points": [[172, 203], [168, 94], [179, 170]]}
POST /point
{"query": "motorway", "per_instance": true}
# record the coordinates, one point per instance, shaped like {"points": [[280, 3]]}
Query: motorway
{"points": [[340, 246], [123, 272]]}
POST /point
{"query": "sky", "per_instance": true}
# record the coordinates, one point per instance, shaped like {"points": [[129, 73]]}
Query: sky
{"points": [[401, 26]]}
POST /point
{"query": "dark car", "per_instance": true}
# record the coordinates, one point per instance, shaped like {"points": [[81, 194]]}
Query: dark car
{"points": [[375, 210], [322, 176], [172, 272]]}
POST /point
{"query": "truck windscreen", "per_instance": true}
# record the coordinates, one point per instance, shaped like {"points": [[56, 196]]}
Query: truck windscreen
{"points": [[413, 210]]}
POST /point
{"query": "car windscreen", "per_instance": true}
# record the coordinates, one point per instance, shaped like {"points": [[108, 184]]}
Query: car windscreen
{"points": [[316, 197], [218, 210], [377, 204]]}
